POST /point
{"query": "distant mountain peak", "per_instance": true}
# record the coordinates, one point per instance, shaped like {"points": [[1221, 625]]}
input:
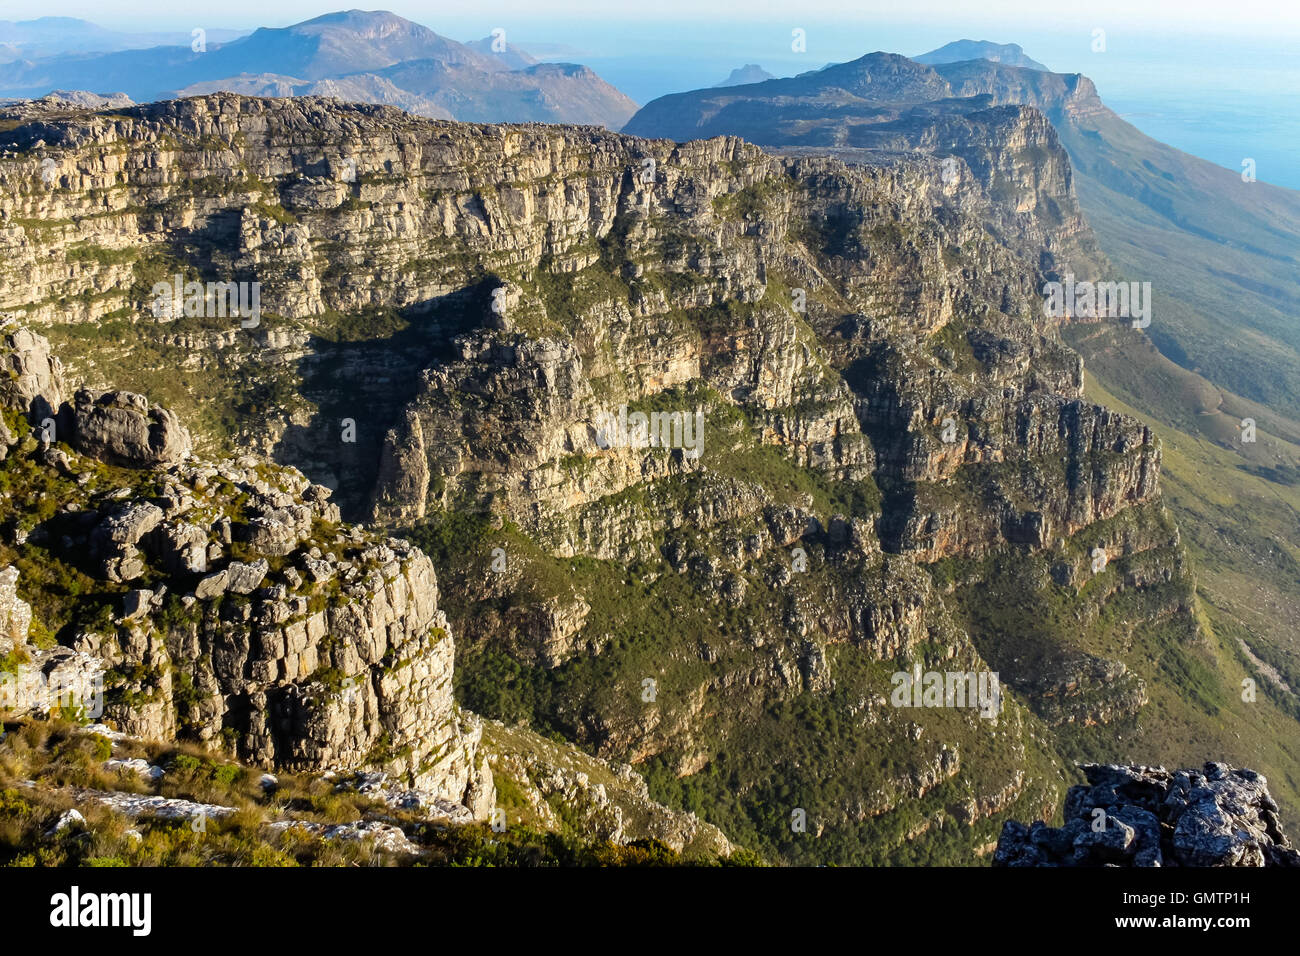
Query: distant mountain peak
{"points": [[883, 76], [959, 50], [744, 75], [371, 56], [509, 55], [354, 17]]}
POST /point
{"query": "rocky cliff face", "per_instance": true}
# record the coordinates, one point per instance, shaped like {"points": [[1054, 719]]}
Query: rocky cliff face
{"points": [[1149, 816], [225, 602], [458, 340], [559, 204], [882, 106]]}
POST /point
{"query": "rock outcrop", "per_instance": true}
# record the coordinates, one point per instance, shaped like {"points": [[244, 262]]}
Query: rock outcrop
{"points": [[42, 680], [123, 428], [1149, 816], [227, 603], [117, 427], [31, 380], [557, 785], [15, 613]]}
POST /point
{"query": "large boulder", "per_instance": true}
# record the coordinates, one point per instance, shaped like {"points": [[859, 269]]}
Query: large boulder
{"points": [[182, 547], [115, 539], [31, 379], [1148, 816], [122, 428]]}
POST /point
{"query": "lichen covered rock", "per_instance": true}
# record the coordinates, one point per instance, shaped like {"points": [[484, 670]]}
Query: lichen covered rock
{"points": [[1149, 816]]}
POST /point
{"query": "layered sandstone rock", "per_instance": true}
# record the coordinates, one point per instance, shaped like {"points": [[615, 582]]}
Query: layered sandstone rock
{"points": [[249, 616], [125, 429], [885, 406]]}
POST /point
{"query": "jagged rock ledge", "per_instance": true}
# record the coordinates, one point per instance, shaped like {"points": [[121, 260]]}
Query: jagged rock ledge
{"points": [[238, 606], [1150, 816]]}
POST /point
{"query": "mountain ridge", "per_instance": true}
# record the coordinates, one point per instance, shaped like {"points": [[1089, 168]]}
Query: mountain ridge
{"points": [[1011, 54], [357, 53]]}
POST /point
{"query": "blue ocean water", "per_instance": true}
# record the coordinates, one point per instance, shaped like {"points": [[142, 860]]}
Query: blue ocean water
{"points": [[1223, 98]]}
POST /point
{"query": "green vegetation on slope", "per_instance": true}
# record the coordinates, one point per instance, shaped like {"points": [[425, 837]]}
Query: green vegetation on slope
{"points": [[61, 757]]}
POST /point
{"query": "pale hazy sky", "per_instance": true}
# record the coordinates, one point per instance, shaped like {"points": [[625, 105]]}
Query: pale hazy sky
{"points": [[1259, 17]]}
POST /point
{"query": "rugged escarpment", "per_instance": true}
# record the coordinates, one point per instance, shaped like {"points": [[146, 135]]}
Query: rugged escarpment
{"points": [[224, 602], [1126, 181], [1149, 816], [894, 469], [884, 106], [438, 217]]}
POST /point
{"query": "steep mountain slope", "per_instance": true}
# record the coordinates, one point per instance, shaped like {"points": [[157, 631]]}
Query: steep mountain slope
{"points": [[542, 92], [1225, 252], [1220, 254], [898, 466], [374, 57], [510, 55], [223, 604]]}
